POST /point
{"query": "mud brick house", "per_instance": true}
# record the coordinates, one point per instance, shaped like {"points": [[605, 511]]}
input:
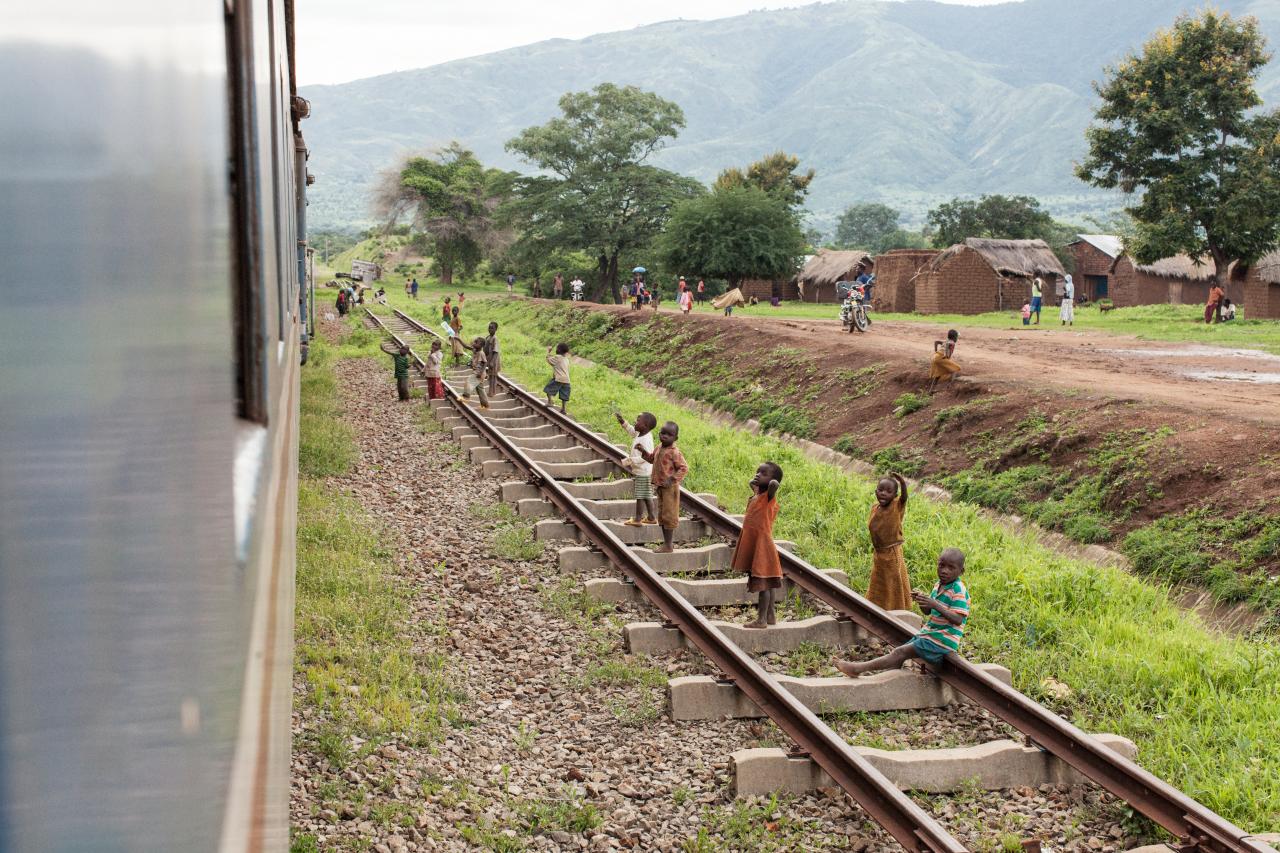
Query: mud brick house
{"points": [[1178, 280], [1094, 254], [981, 275], [1261, 282], [817, 281], [764, 289], [896, 272]]}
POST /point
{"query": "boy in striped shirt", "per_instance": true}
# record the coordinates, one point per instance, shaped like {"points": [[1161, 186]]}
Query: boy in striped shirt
{"points": [[946, 610]]}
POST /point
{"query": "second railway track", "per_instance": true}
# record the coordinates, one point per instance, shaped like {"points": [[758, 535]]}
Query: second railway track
{"points": [[522, 430]]}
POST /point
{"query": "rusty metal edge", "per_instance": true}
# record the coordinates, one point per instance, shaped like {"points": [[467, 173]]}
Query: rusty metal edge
{"points": [[883, 802]]}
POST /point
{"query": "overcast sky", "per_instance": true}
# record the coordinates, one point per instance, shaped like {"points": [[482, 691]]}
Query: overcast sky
{"points": [[339, 40]]}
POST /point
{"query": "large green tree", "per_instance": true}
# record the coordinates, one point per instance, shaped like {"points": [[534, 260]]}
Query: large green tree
{"points": [[735, 233], [1016, 217], [1176, 127], [597, 193], [868, 225], [452, 198], [777, 174]]}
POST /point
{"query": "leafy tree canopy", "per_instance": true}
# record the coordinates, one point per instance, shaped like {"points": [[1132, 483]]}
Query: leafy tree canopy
{"points": [[1176, 128], [778, 174], [1016, 217], [868, 225], [734, 233], [599, 195], [452, 197]]}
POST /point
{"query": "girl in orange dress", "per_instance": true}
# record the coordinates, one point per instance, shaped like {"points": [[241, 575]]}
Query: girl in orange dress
{"points": [[756, 553], [943, 366], [890, 588]]}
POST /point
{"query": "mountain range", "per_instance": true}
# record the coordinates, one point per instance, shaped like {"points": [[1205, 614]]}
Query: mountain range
{"points": [[908, 103]]}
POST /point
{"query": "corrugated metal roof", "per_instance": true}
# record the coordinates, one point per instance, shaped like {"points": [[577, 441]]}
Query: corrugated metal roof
{"points": [[1108, 244]]}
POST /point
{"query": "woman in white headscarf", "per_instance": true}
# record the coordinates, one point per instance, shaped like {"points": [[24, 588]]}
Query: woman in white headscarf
{"points": [[1067, 311]]}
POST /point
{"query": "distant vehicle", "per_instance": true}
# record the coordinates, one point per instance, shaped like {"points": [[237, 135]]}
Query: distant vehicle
{"points": [[856, 305], [366, 270]]}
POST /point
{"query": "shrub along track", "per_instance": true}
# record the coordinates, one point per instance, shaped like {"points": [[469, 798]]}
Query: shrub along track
{"points": [[1200, 827], [1190, 494]]}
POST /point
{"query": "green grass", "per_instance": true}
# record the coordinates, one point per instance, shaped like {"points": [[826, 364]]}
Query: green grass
{"points": [[1147, 322], [1201, 707]]}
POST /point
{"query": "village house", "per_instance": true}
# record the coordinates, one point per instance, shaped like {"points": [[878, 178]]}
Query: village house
{"points": [[1179, 280], [981, 275], [1261, 283], [896, 273], [765, 289], [1093, 255], [817, 281]]}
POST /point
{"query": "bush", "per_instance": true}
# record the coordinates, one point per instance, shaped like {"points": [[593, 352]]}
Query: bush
{"points": [[908, 403], [892, 459]]}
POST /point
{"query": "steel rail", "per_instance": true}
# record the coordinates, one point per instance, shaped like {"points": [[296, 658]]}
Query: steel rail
{"points": [[880, 798], [1195, 824]]}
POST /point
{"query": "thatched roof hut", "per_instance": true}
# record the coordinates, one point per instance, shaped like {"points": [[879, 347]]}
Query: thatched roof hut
{"points": [[1018, 258], [818, 278], [1177, 280], [1261, 296], [982, 275], [1178, 266]]}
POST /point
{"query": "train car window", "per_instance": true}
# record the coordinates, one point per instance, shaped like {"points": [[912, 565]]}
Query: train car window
{"points": [[246, 249], [281, 184]]}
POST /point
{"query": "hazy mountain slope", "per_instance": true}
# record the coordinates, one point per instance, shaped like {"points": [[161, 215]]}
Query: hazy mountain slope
{"points": [[904, 102]]}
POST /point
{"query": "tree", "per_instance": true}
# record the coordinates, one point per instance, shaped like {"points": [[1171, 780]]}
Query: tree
{"points": [[776, 174], [599, 196], [868, 225], [1016, 217], [1175, 127], [735, 233], [452, 197]]}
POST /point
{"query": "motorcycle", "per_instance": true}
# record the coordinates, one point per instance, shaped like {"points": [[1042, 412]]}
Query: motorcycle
{"points": [[856, 307]]}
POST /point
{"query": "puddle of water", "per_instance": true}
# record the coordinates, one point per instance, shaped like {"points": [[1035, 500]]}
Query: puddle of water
{"points": [[1197, 352], [1233, 376]]}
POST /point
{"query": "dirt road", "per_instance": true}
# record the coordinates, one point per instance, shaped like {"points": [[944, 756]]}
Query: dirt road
{"points": [[1207, 380]]}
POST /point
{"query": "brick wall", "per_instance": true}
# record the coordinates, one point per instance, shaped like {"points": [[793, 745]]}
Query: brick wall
{"points": [[895, 289], [763, 289], [965, 284], [1089, 261], [1130, 287], [1261, 299]]}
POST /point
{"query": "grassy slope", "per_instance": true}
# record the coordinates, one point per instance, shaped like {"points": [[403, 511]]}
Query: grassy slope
{"points": [[1202, 708], [1147, 322]]}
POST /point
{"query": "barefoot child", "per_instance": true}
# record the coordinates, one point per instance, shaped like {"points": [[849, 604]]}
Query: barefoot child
{"points": [[456, 340], [890, 589], [435, 362], [479, 370], [669, 470], [756, 554], [400, 358], [559, 384], [943, 367], [947, 609], [639, 463]]}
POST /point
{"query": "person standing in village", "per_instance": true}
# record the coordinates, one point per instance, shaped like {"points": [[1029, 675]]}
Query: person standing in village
{"points": [[341, 302], [537, 287], [943, 367], [413, 288], [511, 284], [400, 360], [639, 463], [435, 371], [702, 291], [476, 379], [1213, 307], [1037, 297], [1067, 309], [557, 286], [408, 287], [559, 384], [669, 470], [455, 340], [445, 311], [494, 357], [756, 554], [686, 301], [890, 587]]}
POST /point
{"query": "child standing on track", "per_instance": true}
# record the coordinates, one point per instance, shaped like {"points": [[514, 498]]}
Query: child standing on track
{"points": [[559, 384], [669, 470], [494, 356], [435, 381], [756, 553], [455, 323], [890, 588], [476, 379], [639, 462], [947, 609], [400, 358]]}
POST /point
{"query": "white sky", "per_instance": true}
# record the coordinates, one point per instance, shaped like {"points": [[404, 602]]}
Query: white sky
{"points": [[341, 40]]}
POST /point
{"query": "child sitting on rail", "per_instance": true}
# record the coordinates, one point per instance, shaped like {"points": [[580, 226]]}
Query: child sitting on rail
{"points": [[559, 384], [639, 462], [756, 553], [669, 470], [435, 381], [479, 372], [947, 609]]}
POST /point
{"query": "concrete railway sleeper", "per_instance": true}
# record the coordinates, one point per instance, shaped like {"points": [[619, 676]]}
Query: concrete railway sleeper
{"points": [[528, 436]]}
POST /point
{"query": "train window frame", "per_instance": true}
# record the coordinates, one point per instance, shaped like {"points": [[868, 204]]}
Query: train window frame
{"points": [[244, 186]]}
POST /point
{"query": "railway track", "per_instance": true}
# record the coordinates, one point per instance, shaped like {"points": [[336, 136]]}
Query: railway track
{"points": [[1195, 826]]}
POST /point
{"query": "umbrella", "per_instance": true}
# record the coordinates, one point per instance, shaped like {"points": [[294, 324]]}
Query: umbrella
{"points": [[639, 269]]}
